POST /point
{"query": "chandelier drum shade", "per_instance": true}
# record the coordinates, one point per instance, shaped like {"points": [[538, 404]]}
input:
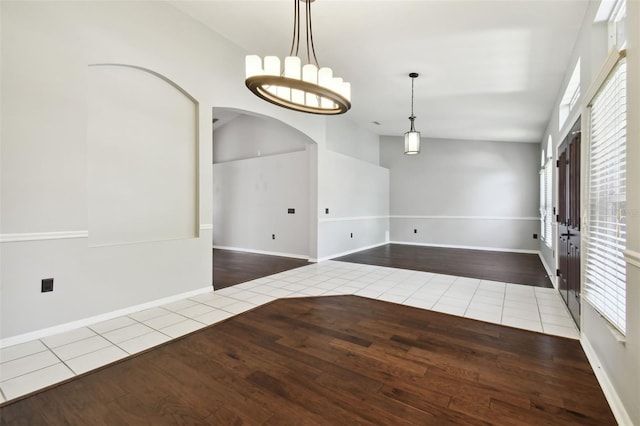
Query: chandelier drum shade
{"points": [[306, 88], [412, 137]]}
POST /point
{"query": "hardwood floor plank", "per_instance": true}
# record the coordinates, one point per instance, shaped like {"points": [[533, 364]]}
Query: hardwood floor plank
{"points": [[440, 413], [517, 268], [322, 361], [235, 267]]}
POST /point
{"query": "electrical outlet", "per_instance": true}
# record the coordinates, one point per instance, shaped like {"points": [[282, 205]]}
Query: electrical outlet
{"points": [[291, 211], [535, 236], [46, 285], [326, 211], [415, 231], [352, 235], [273, 236]]}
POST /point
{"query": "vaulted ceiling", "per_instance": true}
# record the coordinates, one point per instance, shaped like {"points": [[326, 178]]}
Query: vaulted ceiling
{"points": [[489, 70]]}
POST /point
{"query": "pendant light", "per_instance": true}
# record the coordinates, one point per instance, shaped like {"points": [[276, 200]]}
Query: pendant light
{"points": [[307, 88], [412, 137]]}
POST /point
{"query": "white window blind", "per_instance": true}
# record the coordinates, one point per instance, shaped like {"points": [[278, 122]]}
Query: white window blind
{"points": [[605, 269], [543, 209], [548, 175]]}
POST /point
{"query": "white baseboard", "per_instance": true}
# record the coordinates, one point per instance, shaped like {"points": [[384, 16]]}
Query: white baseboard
{"points": [[617, 407], [333, 256], [550, 272], [510, 250], [269, 253], [50, 331]]}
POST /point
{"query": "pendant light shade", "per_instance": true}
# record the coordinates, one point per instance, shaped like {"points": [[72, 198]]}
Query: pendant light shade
{"points": [[306, 88], [412, 142], [412, 137]]}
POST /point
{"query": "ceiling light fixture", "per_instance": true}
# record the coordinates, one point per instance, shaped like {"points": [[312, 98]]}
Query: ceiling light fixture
{"points": [[412, 137], [308, 88]]}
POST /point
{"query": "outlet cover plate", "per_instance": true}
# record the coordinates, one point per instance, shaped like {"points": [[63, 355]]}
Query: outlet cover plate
{"points": [[47, 285]]}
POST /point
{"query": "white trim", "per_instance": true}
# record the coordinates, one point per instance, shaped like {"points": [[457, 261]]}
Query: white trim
{"points": [[606, 69], [344, 253], [50, 331], [269, 253], [466, 217], [42, 236], [508, 250], [348, 218], [550, 272], [632, 258], [341, 219], [617, 407], [60, 235]]}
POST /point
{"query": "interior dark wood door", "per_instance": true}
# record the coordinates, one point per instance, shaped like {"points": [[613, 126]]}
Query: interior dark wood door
{"points": [[569, 221]]}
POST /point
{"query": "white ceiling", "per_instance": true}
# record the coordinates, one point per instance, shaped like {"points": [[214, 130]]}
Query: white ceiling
{"points": [[489, 70]]}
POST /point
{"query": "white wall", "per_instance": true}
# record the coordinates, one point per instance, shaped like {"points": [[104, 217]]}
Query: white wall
{"points": [[630, 354], [250, 202], [250, 136], [474, 194], [347, 138], [616, 364], [132, 112], [357, 195], [47, 48], [261, 169], [353, 187], [591, 48]]}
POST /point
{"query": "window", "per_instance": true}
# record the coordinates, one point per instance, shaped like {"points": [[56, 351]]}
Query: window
{"points": [[546, 194], [615, 14], [570, 97], [543, 198], [617, 25], [605, 269], [548, 184]]}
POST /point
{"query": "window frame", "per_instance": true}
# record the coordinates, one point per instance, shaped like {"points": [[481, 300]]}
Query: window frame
{"points": [[546, 193], [606, 294]]}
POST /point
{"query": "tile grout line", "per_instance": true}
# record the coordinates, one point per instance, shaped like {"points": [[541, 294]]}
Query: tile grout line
{"points": [[120, 328], [50, 349], [470, 300], [442, 295], [378, 274], [535, 295], [504, 301]]}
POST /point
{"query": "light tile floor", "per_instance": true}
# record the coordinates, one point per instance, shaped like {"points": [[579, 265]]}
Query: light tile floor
{"points": [[30, 366]]}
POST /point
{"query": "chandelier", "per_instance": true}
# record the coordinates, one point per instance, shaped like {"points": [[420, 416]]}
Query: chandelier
{"points": [[309, 88], [412, 137]]}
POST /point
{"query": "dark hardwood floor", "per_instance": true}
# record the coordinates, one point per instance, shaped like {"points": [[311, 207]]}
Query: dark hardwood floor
{"points": [[235, 267], [517, 268], [341, 360]]}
